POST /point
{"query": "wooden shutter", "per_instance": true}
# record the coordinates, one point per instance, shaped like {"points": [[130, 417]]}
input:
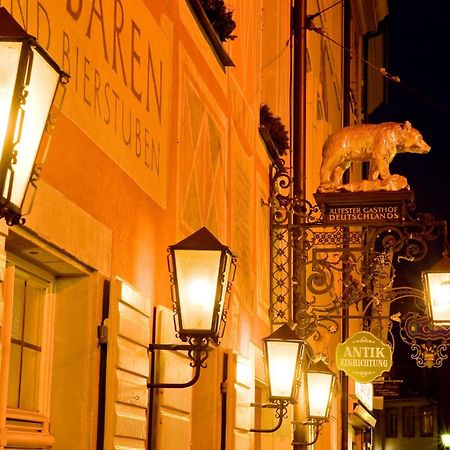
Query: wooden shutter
{"points": [[173, 407], [127, 369]]}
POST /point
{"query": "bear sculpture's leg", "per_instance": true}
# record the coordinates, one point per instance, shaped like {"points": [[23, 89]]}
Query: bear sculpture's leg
{"points": [[373, 171], [381, 168], [338, 172]]}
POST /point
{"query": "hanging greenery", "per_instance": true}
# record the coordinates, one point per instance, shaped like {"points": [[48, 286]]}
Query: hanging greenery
{"points": [[221, 18], [276, 129]]}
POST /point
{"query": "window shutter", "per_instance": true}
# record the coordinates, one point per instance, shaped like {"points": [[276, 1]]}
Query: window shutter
{"points": [[127, 369]]}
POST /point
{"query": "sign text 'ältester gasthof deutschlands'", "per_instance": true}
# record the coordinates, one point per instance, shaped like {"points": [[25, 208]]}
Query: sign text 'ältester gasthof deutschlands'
{"points": [[364, 357], [356, 214], [364, 208]]}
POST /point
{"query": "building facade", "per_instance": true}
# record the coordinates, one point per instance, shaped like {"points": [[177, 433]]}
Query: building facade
{"points": [[409, 422], [159, 135]]}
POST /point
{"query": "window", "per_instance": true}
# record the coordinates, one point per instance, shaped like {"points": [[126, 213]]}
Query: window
{"points": [[48, 351], [26, 360], [29, 299], [391, 422], [426, 421], [408, 421]]}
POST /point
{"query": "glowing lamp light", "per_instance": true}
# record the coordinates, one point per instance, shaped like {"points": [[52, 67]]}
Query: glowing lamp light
{"points": [[446, 440], [320, 382], [283, 352], [29, 78], [437, 290], [202, 270]]}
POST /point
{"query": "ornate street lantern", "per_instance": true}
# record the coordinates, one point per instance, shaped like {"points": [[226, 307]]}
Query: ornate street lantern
{"points": [[437, 291], [283, 352], [202, 270], [29, 78], [320, 382]]}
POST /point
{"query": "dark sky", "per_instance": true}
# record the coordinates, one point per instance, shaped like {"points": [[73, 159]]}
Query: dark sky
{"points": [[419, 53]]}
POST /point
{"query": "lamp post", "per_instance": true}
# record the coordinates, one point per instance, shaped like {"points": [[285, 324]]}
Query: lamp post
{"points": [[29, 78], [445, 440], [202, 271]]}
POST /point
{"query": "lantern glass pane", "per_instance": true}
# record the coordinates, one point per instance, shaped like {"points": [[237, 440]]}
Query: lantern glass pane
{"points": [[41, 90], [319, 390], [439, 295], [282, 363], [9, 56], [197, 273]]}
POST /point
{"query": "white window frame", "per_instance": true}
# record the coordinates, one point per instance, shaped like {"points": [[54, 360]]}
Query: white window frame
{"points": [[31, 428]]}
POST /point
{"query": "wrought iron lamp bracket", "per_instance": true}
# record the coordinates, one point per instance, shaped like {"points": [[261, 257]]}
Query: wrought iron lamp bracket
{"points": [[317, 425], [280, 407], [197, 351]]}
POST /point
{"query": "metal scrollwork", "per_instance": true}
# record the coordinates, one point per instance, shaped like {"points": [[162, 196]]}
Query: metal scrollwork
{"points": [[428, 344], [345, 266]]}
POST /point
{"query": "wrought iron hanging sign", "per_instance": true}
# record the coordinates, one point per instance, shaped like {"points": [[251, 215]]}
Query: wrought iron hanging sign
{"points": [[368, 208], [363, 357]]}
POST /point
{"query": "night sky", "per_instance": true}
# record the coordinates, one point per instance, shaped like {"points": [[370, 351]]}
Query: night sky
{"points": [[419, 53]]}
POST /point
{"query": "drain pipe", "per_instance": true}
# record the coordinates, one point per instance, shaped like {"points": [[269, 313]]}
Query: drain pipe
{"points": [[298, 131], [345, 325]]}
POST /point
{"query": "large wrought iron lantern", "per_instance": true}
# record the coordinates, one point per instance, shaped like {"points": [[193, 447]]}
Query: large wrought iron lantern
{"points": [[202, 270], [437, 291], [320, 382], [283, 352], [29, 78]]}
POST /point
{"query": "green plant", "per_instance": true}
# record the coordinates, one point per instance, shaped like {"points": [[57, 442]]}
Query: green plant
{"points": [[221, 18], [276, 129]]}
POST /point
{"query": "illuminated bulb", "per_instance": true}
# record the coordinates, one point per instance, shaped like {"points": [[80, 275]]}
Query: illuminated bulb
{"points": [[282, 367], [201, 293], [318, 394]]}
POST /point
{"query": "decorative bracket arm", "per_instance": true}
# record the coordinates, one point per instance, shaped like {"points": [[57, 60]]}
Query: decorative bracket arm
{"points": [[280, 407], [197, 353], [317, 424]]}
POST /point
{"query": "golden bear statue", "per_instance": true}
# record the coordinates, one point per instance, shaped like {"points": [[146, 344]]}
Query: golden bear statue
{"points": [[377, 144]]}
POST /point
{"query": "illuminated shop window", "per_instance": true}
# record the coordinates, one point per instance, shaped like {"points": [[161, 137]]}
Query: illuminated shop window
{"points": [[426, 421], [408, 419], [391, 422]]}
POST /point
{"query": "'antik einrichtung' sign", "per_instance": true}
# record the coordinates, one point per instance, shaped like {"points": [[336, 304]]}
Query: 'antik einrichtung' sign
{"points": [[363, 357]]}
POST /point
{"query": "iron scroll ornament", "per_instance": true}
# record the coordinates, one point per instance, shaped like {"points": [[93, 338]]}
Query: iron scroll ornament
{"points": [[352, 257], [428, 344]]}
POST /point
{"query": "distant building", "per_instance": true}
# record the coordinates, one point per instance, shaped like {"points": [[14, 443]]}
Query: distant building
{"points": [[407, 423]]}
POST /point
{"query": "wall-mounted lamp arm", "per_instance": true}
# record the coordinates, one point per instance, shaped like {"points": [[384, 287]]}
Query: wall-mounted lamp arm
{"points": [[317, 424], [281, 413], [197, 352]]}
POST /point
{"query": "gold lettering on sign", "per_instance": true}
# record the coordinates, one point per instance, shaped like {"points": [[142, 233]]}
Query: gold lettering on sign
{"points": [[357, 213], [120, 61]]}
